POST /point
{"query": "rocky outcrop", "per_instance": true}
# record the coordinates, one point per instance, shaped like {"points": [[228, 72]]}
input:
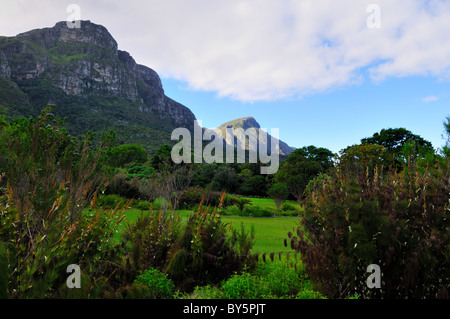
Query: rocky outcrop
{"points": [[84, 63], [249, 122]]}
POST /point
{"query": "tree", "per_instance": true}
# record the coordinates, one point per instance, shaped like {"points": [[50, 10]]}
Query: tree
{"points": [[279, 193], [446, 148], [322, 155], [162, 157], [225, 178], [301, 166], [361, 156], [241, 202], [254, 185], [394, 140], [126, 154]]}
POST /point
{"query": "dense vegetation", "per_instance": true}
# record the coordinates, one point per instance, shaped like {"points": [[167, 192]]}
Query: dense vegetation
{"points": [[63, 201]]}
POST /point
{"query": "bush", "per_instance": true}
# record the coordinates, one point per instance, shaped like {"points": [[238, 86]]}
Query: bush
{"points": [[120, 185], [231, 210], [281, 280], [307, 293], [270, 281], [288, 207], [256, 211], [149, 240], [204, 292], [161, 286], [399, 221], [127, 153], [243, 286], [51, 179], [204, 253], [160, 203], [140, 172], [143, 205], [109, 201], [193, 195]]}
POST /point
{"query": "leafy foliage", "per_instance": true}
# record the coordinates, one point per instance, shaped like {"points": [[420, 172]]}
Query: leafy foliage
{"points": [[204, 253], [301, 166], [50, 178], [394, 141], [398, 220], [279, 193], [127, 153], [161, 286]]}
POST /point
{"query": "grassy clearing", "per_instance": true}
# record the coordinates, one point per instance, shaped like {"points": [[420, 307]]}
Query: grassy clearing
{"points": [[269, 203], [270, 232]]}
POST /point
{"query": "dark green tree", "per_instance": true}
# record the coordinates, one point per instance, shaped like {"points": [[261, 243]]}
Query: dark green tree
{"points": [[126, 154], [446, 148], [279, 193], [301, 166], [394, 139], [162, 158], [225, 178], [254, 185]]}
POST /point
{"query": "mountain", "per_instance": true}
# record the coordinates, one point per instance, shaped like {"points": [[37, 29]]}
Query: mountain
{"points": [[92, 83], [246, 123]]}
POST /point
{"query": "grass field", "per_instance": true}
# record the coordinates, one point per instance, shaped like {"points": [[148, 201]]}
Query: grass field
{"points": [[270, 232]]}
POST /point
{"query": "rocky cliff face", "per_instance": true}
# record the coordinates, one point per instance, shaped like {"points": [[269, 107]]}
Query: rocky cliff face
{"points": [[82, 68], [249, 122]]}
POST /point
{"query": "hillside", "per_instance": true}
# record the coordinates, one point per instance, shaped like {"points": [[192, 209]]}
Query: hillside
{"points": [[92, 83], [249, 122]]}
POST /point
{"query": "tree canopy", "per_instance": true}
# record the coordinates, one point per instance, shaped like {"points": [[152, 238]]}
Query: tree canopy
{"points": [[394, 139], [301, 166]]}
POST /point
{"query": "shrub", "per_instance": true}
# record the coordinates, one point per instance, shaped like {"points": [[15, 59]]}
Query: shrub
{"points": [[306, 293], [193, 195], [140, 172], [279, 193], [51, 178], [160, 203], [109, 201], [256, 211], [149, 240], [127, 153], [288, 207], [161, 286], [399, 221], [143, 205], [243, 286], [204, 292], [120, 185], [231, 210], [204, 253], [281, 279]]}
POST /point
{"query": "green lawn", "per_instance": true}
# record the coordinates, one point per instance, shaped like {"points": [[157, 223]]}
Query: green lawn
{"points": [[270, 232], [269, 203]]}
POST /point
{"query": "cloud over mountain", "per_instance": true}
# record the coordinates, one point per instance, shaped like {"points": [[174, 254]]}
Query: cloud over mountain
{"points": [[266, 50]]}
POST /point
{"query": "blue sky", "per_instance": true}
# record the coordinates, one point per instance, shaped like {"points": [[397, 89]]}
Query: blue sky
{"points": [[335, 119], [325, 73]]}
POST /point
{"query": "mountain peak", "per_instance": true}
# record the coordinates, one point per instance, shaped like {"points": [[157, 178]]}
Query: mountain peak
{"points": [[250, 122], [88, 32], [243, 122]]}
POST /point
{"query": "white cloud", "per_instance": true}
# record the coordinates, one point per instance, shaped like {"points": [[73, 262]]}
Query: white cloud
{"points": [[430, 98], [264, 49]]}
